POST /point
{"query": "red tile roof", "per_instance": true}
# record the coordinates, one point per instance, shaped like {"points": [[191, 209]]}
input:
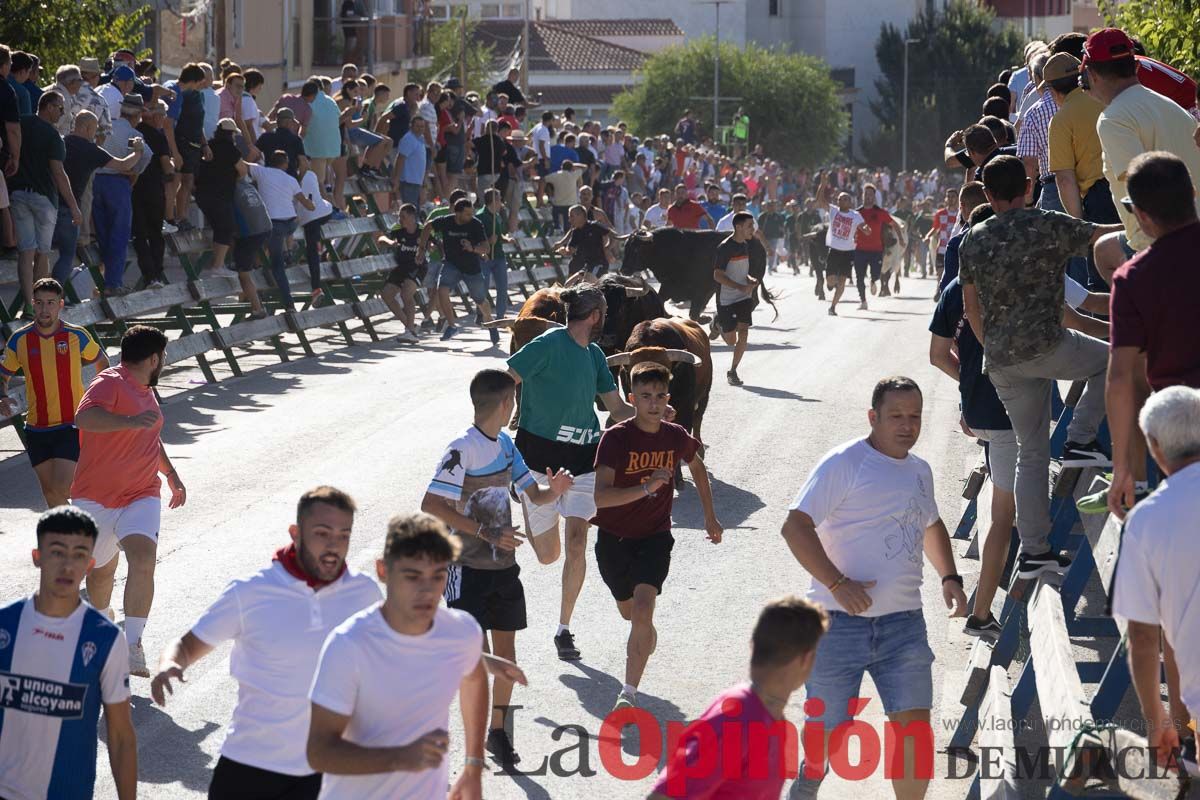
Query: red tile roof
{"points": [[613, 28], [562, 46]]}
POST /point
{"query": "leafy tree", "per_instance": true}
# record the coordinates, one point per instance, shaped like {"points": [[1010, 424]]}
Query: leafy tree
{"points": [[959, 53], [63, 31], [1169, 29], [793, 104], [446, 48]]}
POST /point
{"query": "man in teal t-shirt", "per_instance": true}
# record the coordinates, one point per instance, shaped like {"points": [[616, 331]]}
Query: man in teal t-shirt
{"points": [[560, 373]]}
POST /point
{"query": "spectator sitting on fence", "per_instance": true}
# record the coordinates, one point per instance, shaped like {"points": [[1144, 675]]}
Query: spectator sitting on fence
{"points": [[1154, 588], [1153, 313]]}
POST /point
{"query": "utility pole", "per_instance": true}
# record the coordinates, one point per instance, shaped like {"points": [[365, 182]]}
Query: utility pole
{"points": [[904, 111], [525, 52], [716, 4]]}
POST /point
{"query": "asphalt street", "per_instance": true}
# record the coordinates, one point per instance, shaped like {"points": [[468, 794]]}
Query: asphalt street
{"points": [[373, 420]]}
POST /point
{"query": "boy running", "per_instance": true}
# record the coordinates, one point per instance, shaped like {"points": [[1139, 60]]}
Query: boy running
{"points": [[735, 298], [51, 355], [635, 482], [845, 224], [405, 278], [469, 492]]}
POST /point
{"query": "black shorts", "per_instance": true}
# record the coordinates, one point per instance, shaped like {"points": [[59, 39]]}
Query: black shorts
{"points": [[441, 156], [728, 317], [190, 154], [219, 213], [840, 263], [232, 780], [57, 443], [399, 275], [625, 563], [542, 454], [494, 597]]}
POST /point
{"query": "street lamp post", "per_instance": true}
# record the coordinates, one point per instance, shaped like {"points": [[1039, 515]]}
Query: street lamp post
{"points": [[716, 4], [904, 111]]}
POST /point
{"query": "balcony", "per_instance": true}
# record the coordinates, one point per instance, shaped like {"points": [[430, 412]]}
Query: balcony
{"points": [[386, 38]]}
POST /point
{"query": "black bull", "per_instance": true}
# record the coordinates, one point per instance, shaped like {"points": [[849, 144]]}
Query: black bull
{"points": [[683, 260]]}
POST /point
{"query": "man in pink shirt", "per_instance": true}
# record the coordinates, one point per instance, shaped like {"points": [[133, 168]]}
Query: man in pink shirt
{"points": [[116, 479], [784, 644]]}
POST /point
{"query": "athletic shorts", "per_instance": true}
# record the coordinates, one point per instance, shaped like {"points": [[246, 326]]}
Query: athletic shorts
{"points": [[543, 454], [55, 443], [494, 597], [625, 563], [730, 316], [579, 502], [232, 780], [114, 524], [190, 154], [840, 263], [399, 275], [219, 213]]}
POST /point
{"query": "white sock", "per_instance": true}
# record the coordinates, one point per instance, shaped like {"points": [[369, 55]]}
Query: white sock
{"points": [[561, 628], [133, 629], [629, 691]]}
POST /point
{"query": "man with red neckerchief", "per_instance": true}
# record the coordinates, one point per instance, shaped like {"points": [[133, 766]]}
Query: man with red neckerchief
{"points": [[278, 619]]}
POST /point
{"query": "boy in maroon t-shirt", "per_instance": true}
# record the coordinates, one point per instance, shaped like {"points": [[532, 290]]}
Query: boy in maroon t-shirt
{"points": [[635, 483]]}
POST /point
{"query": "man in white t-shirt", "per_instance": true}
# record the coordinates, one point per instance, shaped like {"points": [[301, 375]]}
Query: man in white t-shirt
{"points": [[278, 619], [859, 526], [1154, 589], [656, 215], [386, 678], [845, 223], [541, 138], [280, 194]]}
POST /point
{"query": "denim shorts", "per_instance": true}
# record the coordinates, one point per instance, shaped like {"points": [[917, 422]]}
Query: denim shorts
{"points": [[476, 285], [1123, 240], [361, 137], [34, 218], [893, 649]]}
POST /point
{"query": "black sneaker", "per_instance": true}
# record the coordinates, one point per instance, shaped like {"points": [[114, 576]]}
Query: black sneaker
{"points": [[1029, 566], [565, 643], [1080, 456], [985, 629], [733, 378], [500, 746]]}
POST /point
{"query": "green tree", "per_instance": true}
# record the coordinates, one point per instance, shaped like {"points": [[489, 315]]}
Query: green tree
{"points": [[793, 104], [959, 53], [63, 31], [1169, 29], [446, 48]]}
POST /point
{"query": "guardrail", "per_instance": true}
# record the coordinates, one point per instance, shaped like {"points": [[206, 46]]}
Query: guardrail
{"points": [[205, 319], [1039, 618]]}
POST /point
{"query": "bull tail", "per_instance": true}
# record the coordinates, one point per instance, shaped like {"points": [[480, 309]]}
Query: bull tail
{"points": [[769, 297]]}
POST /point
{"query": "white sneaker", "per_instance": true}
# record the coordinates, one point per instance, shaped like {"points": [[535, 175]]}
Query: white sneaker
{"points": [[408, 337], [137, 660]]}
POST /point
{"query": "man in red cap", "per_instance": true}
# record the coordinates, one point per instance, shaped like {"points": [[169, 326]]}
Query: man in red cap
{"points": [[1135, 120]]}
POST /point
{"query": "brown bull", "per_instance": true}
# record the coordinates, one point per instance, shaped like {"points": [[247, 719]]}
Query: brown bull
{"points": [[681, 345]]}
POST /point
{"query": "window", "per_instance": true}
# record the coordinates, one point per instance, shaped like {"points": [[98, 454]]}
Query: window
{"points": [[439, 12], [773, 8], [489, 10], [513, 11], [239, 23]]}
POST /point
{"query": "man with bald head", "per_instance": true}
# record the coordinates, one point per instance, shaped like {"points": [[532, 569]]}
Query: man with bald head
{"points": [[83, 158]]}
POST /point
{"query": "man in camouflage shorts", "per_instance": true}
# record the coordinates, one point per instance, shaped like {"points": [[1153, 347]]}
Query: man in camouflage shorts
{"points": [[1011, 270]]}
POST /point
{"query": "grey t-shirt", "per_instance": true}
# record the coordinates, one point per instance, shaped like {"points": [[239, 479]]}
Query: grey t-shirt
{"points": [[733, 257]]}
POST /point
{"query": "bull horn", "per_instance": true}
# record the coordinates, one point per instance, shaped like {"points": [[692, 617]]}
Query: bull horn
{"points": [[635, 291], [503, 322], [683, 356], [580, 276], [618, 360]]}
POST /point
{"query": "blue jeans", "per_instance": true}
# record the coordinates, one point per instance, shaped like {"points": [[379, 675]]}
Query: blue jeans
{"points": [[893, 648], [1048, 200], [112, 218], [411, 193], [495, 271], [66, 235], [281, 231]]}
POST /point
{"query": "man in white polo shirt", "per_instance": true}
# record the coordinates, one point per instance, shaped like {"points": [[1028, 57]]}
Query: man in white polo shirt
{"points": [[862, 525], [278, 619], [1154, 589], [382, 693]]}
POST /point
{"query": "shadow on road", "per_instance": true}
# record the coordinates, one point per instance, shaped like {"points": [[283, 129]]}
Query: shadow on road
{"points": [[597, 691], [778, 394], [734, 506], [172, 754]]}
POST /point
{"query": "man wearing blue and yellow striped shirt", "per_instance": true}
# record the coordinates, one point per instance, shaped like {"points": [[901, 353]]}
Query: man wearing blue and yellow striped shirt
{"points": [[51, 354]]}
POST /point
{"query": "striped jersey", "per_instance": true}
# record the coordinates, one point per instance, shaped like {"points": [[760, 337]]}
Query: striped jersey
{"points": [[55, 673], [53, 367]]}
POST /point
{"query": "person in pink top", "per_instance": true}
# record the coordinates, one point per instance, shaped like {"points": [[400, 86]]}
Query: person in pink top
{"points": [[783, 647], [116, 479]]}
